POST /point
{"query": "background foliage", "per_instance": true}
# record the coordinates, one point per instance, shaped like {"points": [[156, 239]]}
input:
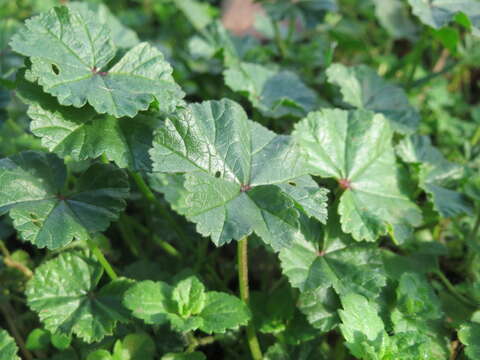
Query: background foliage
{"points": [[142, 141]]}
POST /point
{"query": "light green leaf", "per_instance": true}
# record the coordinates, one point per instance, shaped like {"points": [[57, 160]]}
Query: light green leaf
{"points": [[416, 298], [438, 13], [64, 293], [83, 134], [184, 356], [72, 65], [134, 346], [38, 339], [275, 93], [363, 88], [469, 335], [223, 311], [355, 148], [99, 355], [32, 190], [154, 303], [355, 268], [240, 177], [8, 348], [150, 301], [362, 328], [189, 294], [436, 176], [200, 14]]}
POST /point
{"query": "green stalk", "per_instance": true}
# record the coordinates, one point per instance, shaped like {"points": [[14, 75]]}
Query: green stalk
{"points": [[242, 257], [282, 47], [167, 247], [150, 196], [102, 259], [454, 291]]}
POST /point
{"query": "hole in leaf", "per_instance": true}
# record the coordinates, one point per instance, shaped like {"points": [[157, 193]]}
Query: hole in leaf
{"points": [[218, 174], [292, 183], [55, 69]]}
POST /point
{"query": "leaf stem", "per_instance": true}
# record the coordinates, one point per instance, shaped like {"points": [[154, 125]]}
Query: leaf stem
{"points": [[9, 262], [102, 259], [453, 290], [7, 310], [167, 247], [150, 196], [242, 257], [279, 41]]}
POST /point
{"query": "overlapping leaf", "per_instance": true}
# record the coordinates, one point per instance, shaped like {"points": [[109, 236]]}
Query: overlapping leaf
{"points": [[8, 348], [186, 306], [436, 175], [356, 268], [274, 93], [32, 189], [469, 335], [438, 13], [84, 134], [64, 294], [354, 147], [73, 65], [363, 88], [394, 17], [239, 176]]}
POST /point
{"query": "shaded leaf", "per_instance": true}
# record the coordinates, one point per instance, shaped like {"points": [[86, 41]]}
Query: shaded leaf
{"points": [[32, 190]]}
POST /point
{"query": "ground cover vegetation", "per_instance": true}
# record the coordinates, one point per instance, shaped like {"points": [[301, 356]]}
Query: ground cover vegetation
{"points": [[175, 188]]}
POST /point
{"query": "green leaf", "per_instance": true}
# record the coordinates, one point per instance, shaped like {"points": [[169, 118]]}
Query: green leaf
{"points": [[416, 298], [150, 301], [189, 294], [200, 14], [38, 339], [362, 88], [184, 356], [274, 93], [437, 174], [355, 148], [469, 335], [155, 303], [438, 13], [394, 17], [223, 311], [134, 346], [73, 64], [8, 348], [239, 176], [320, 307], [64, 293], [121, 36], [83, 134], [355, 268], [32, 190], [99, 355], [362, 328]]}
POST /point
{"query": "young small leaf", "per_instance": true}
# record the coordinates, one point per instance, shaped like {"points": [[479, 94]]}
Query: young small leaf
{"points": [[32, 186], [355, 148], [64, 293], [469, 335], [72, 65], [8, 348]]}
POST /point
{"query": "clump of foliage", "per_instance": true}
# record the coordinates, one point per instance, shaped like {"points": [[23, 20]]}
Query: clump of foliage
{"points": [[170, 190]]}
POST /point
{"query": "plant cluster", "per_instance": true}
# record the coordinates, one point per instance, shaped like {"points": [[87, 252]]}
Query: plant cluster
{"points": [[309, 190]]}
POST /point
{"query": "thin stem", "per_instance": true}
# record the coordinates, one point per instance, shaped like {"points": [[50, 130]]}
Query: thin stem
{"points": [[9, 262], [102, 259], [6, 310], [150, 196], [128, 236], [279, 40], [242, 257], [453, 290], [167, 247]]}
